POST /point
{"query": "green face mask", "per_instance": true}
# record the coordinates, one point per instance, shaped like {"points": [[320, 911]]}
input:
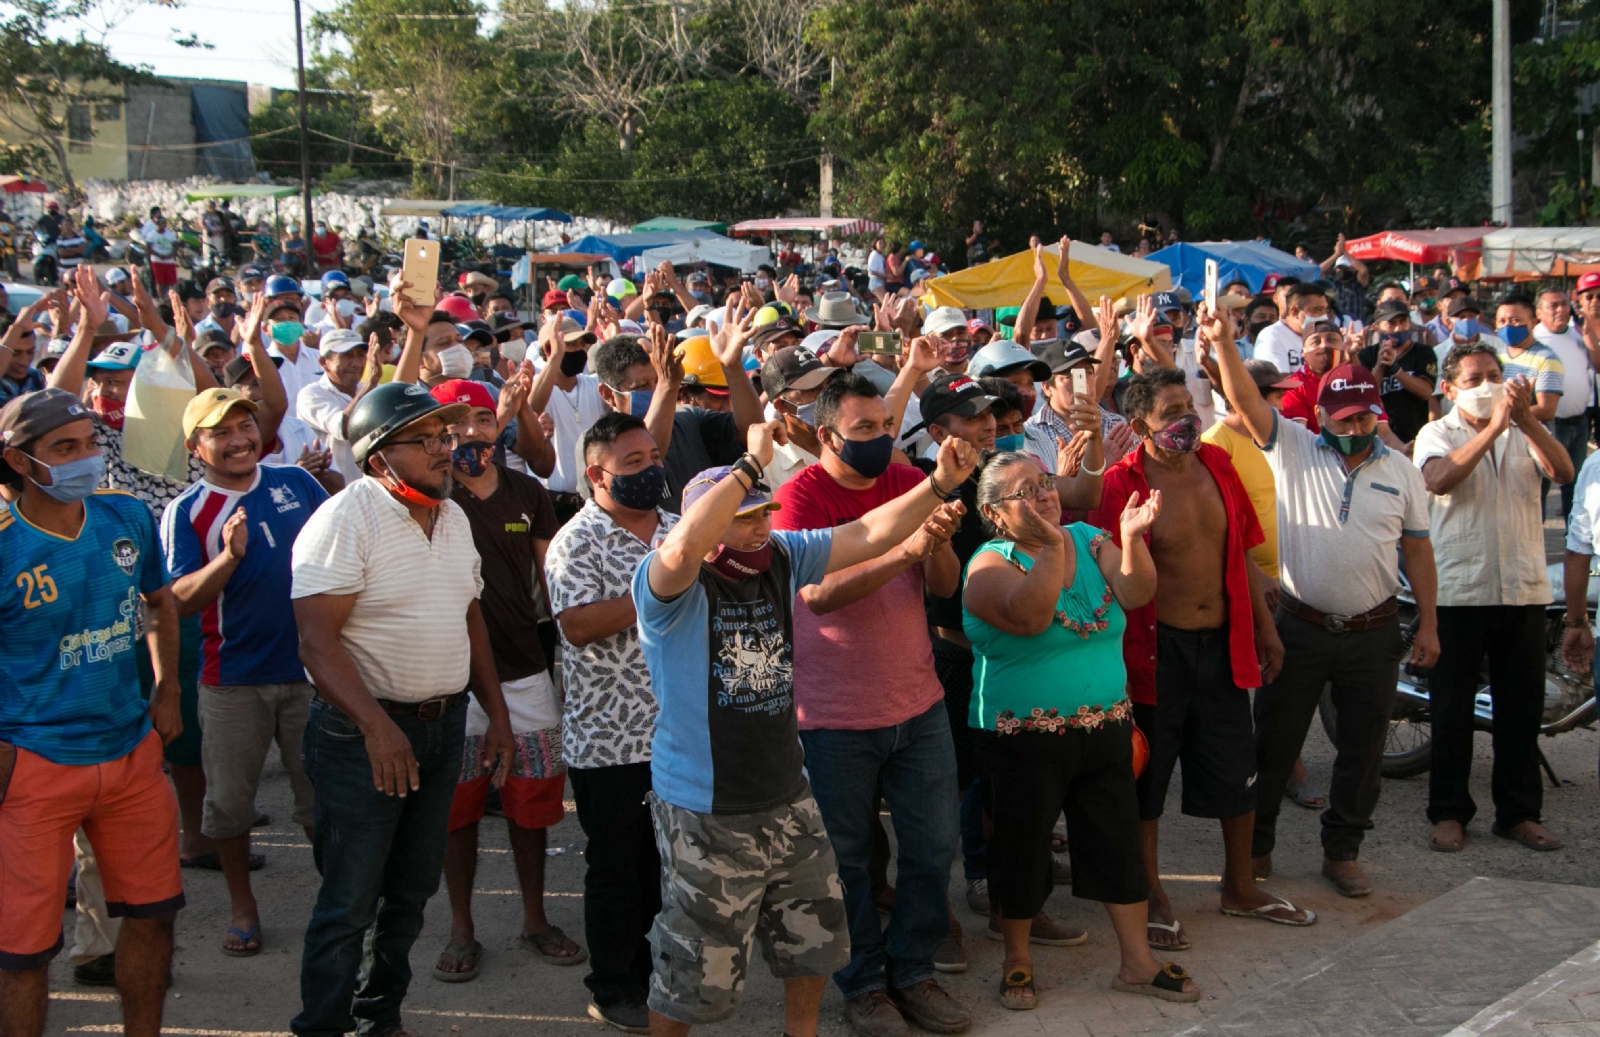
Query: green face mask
{"points": [[1349, 445]]}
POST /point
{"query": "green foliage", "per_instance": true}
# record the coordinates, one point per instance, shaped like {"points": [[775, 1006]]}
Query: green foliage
{"points": [[341, 135]]}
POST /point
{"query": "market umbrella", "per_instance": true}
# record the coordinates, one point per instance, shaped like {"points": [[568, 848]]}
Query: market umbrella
{"points": [[22, 185]]}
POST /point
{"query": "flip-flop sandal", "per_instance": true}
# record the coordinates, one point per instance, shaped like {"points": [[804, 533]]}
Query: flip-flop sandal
{"points": [[1176, 929], [1265, 913], [1542, 843], [245, 936], [538, 942], [1018, 978], [1303, 796], [1167, 985], [460, 952], [211, 862], [1455, 847]]}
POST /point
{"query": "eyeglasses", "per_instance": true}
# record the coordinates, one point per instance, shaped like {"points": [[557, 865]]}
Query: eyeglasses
{"points": [[1036, 490], [432, 445]]}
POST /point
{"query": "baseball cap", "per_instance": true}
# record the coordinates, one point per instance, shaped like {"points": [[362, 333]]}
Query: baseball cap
{"points": [[1462, 304], [1348, 390], [1316, 325], [1166, 301], [119, 356], [219, 284], [212, 338], [1451, 284], [942, 320], [978, 324], [1424, 284], [620, 287], [957, 394], [1267, 376], [282, 284], [476, 331], [508, 319], [821, 340], [1589, 282], [459, 307], [250, 273], [793, 367], [1047, 311], [1002, 355], [335, 279], [463, 390], [340, 340], [572, 282], [1271, 282], [116, 275], [776, 329], [239, 368], [1343, 261], [209, 407], [31, 415], [754, 499], [555, 299], [1389, 310], [697, 277], [574, 331], [1064, 356], [698, 313]]}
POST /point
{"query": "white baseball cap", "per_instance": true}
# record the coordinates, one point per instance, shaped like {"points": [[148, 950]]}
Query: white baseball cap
{"points": [[944, 319], [340, 340]]}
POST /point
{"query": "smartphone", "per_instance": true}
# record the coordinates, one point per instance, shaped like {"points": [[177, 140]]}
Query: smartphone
{"points": [[1080, 382], [421, 270], [879, 343], [1213, 286]]}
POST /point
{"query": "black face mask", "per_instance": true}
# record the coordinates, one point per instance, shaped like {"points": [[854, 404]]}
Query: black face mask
{"points": [[477, 300], [573, 362], [1257, 327], [641, 490]]}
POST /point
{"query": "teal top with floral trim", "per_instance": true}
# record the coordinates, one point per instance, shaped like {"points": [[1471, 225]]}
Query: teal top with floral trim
{"points": [[1072, 674]]}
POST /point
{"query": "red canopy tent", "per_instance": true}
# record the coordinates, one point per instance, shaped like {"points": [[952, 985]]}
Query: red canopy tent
{"points": [[22, 184], [1452, 245]]}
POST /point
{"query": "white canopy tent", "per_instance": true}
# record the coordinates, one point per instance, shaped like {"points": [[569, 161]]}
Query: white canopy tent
{"points": [[1531, 252], [721, 251]]}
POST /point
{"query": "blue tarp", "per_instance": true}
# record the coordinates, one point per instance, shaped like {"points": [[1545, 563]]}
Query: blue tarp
{"points": [[506, 212], [1236, 260], [623, 247], [221, 119]]}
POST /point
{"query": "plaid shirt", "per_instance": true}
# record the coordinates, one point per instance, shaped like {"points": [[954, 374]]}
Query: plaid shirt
{"points": [[1045, 431]]}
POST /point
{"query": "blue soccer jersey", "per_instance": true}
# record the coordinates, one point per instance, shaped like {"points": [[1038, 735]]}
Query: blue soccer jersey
{"points": [[249, 631], [69, 618]]}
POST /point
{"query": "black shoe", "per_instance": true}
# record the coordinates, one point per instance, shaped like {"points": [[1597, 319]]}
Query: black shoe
{"points": [[629, 1016], [97, 972]]}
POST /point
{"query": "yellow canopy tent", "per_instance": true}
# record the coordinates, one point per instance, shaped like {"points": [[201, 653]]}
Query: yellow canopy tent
{"points": [[1005, 282]]}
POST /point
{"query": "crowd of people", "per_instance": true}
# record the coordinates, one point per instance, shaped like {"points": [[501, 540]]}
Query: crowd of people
{"points": [[707, 549]]}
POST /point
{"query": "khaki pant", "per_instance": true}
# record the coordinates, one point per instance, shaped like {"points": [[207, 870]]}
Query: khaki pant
{"points": [[240, 723]]}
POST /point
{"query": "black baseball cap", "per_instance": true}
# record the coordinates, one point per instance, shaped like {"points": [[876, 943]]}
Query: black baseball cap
{"points": [[211, 338], [31, 415], [1047, 311], [792, 367], [776, 329], [239, 367], [1462, 304], [952, 394], [1064, 356], [1389, 310]]}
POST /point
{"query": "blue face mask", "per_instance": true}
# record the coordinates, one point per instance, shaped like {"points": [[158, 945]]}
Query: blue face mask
{"points": [[1465, 329], [638, 400], [1008, 443], [868, 457], [73, 481], [1514, 335]]}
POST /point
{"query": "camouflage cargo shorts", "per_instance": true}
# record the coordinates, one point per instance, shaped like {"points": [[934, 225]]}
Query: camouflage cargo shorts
{"points": [[726, 878]]}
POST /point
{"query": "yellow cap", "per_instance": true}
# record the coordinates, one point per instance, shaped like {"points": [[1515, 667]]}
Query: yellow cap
{"points": [[700, 364], [209, 407], [765, 315]]}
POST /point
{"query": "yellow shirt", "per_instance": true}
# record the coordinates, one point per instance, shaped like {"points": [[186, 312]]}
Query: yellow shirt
{"points": [[1256, 474]]}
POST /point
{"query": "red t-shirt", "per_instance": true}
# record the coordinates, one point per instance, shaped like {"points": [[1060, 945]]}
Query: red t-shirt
{"points": [[326, 246], [1300, 402], [869, 664]]}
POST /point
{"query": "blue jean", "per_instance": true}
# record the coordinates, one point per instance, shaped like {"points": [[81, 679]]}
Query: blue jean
{"points": [[380, 858], [914, 764], [1573, 434]]}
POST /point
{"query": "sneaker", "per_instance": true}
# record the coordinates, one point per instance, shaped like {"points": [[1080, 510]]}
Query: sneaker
{"points": [[97, 972], [978, 896], [928, 1006], [949, 956], [873, 1015], [629, 1016]]}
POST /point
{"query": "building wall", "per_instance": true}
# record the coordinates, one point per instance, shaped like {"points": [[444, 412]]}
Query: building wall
{"points": [[102, 151], [160, 117]]}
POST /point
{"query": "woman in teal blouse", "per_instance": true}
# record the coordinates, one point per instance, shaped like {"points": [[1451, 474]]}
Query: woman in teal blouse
{"points": [[1053, 730]]}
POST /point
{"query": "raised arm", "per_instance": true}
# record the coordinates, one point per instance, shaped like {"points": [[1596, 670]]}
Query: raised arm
{"points": [[728, 343], [1237, 386], [1022, 331], [920, 359], [1020, 603], [1080, 302], [274, 398], [669, 379], [890, 523], [929, 545], [1553, 458], [1444, 473], [409, 367]]}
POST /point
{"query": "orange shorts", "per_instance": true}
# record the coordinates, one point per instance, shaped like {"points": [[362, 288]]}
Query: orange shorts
{"points": [[128, 811], [528, 802]]}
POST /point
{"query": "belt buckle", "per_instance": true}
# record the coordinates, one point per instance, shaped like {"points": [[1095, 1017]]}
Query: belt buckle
{"points": [[1336, 624], [431, 710]]}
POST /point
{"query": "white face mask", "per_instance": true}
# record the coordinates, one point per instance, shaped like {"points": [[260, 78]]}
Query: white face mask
{"points": [[455, 361], [346, 307], [1480, 400]]}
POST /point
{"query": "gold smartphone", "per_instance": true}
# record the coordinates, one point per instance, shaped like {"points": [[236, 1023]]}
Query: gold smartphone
{"points": [[878, 343], [421, 270], [1080, 382]]}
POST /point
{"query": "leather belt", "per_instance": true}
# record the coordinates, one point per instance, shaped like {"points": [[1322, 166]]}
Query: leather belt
{"points": [[1337, 624], [428, 709]]}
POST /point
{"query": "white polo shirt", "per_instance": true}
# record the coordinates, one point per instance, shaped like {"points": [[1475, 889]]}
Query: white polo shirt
{"points": [[407, 631], [1488, 542], [297, 373], [321, 407], [1339, 532], [1577, 370]]}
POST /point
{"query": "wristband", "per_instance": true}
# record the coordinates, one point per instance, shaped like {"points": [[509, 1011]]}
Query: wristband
{"points": [[1575, 624], [747, 467], [933, 484], [1096, 471]]}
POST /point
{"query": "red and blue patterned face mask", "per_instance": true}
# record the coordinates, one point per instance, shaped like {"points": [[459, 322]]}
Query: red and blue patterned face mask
{"points": [[1180, 437]]}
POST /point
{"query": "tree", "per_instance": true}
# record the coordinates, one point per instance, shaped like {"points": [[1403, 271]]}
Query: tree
{"points": [[341, 135], [45, 81], [425, 69]]}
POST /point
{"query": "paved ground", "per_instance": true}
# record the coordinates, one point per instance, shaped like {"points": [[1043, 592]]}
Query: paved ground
{"points": [[1564, 1002]]}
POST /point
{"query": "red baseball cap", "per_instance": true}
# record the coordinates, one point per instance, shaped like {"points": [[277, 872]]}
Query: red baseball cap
{"points": [[1588, 282], [459, 307], [1270, 283], [1348, 390], [554, 299], [461, 390]]}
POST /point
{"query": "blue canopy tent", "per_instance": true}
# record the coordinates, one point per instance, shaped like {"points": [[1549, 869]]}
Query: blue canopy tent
{"points": [[505, 213], [1249, 261], [623, 247]]}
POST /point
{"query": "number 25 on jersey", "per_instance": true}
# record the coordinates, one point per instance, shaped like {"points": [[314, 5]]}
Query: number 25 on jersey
{"points": [[38, 588]]}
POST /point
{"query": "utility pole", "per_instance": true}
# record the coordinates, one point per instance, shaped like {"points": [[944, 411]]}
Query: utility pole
{"points": [[305, 146], [1500, 117], [825, 164]]}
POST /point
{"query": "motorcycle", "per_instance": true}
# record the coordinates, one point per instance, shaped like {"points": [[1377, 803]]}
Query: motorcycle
{"points": [[8, 247], [1569, 700], [46, 268]]}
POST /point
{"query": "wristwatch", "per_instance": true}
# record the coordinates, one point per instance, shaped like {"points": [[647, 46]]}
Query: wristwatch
{"points": [[748, 465]]}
